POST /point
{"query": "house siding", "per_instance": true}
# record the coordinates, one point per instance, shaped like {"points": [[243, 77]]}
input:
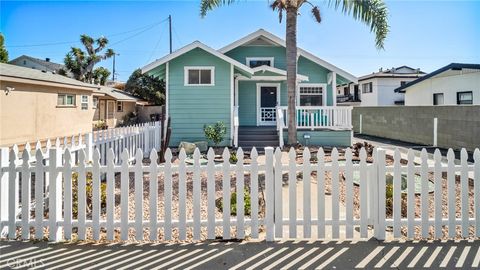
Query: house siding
{"points": [[242, 52], [191, 107], [341, 138], [316, 74]]}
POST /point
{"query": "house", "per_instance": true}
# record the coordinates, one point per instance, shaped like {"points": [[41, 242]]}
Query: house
{"points": [[40, 64], [377, 89], [244, 85], [37, 105], [454, 84], [113, 106]]}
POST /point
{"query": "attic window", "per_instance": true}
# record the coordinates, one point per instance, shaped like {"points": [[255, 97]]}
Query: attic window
{"points": [[204, 76], [259, 61]]}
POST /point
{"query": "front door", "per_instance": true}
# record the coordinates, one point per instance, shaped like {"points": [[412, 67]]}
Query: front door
{"points": [[267, 95]]}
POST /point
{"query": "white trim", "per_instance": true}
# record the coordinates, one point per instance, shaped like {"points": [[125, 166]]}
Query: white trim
{"points": [[191, 46], [324, 91], [232, 98], [281, 42], [264, 78], [334, 88], [259, 85], [167, 75], [282, 72], [188, 68], [271, 59]]}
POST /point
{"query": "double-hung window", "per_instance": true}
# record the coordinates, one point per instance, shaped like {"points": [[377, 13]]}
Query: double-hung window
{"points": [[84, 102], [203, 76], [367, 88], [119, 106], [66, 100], [311, 95], [464, 98]]}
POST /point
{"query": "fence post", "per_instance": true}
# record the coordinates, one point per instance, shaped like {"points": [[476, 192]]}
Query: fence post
{"points": [[3, 188], [380, 184], [360, 125], [89, 146], [269, 193], [158, 140], [55, 194], [146, 142], [435, 126]]}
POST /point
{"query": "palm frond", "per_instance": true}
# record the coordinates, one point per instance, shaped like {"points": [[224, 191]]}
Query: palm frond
{"points": [[316, 14], [279, 6], [207, 5], [374, 13]]}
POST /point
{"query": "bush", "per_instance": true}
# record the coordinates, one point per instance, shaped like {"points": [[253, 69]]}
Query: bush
{"points": [[215, 133], [89, 194], [247, 209], [233, 158]]}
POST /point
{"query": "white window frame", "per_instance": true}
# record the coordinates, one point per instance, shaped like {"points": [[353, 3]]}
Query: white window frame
{"points": [[95, 102], [186, 69], [65, 100], [121, 105], [82, 102], [271, 59], [259, 86], [371, 88], [324, 91]]}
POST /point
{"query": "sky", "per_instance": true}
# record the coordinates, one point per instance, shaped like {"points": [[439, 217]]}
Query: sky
{"points": [[423, 34]]}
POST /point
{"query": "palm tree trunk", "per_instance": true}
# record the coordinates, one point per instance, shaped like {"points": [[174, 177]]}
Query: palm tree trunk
{"points": [[291, 44]]}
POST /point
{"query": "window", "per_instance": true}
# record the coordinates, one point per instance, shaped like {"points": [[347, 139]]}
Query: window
{"points": [[464, 98], [367, 88], [84, 103], [119, 106], [259, 61], [438, 99], [95, 102], [199, 75], [66, 100], [311, 95]]}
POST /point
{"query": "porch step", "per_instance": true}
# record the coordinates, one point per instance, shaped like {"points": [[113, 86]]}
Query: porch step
{"points": [[258, 137], [257, 130]]}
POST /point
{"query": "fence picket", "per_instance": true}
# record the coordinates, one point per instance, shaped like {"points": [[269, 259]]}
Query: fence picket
{"points": [[254, 191], [451, 193], [67, 202], [397, 194], [335, 195], [82, 197], [12, 198], [363, 194], [39, 187], [348, 193], [240, 195], [226, 193], [380, 229], [153, 195], [438, 193], [321, 193], [307, 210], [96, 195], [269, 189], [476, 192], [168, 195], [26, 188], [464, 192], [124, 193], [182, 196], [138, 195], [210, 194], [197, 195], [410, 194], [278, 194], [55, 194], [424, 201], [292, 193], [110, 194]]}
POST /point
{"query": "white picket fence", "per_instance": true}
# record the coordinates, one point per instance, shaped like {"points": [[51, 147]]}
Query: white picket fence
{"points": [[338, 176]]}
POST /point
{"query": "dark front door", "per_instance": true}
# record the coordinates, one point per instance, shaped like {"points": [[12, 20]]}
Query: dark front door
{"points": [[268, 102]]}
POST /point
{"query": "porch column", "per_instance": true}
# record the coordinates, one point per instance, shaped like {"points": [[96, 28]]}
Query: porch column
{"points": [[333, 75]]}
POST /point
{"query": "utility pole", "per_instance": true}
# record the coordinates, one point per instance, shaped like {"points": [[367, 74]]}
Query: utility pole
{"points": [[170, 30], [113, 73]]}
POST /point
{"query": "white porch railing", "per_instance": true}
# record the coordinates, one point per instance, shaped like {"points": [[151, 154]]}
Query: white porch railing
{"points": [[235, 126], [321, 117], [280, 125]]}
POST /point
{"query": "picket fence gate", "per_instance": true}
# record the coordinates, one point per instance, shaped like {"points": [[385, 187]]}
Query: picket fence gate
{"points": [[17, 187]]}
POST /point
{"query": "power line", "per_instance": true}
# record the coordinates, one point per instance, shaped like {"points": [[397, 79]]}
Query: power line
{"points": [[156, 46]]}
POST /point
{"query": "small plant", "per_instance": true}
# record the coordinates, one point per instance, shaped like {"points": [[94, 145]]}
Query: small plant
{"points": [[101, 124], [233, 157], [233, 203], [89, 194], [215, 132], [389, 198]]}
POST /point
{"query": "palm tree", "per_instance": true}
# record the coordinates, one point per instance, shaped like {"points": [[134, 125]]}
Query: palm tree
{"points": [[373, 13]]}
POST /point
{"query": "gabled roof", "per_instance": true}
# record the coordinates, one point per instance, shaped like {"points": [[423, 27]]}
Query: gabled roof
{"points": [[43, 62], [191, 46], [10, 72], [118, 95], [452, 66], [262, 33], [278, 71]]}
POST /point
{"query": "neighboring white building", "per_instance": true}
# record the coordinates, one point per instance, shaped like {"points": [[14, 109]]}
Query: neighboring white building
{"points": [[37, 63], [455, 84], [377, 89]]}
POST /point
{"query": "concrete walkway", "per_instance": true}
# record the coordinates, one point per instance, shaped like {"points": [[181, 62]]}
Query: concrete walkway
{"points": [[243, 255]]}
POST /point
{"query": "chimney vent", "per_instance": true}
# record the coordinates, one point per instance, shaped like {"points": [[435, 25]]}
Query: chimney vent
{"points": [[47, 59]]}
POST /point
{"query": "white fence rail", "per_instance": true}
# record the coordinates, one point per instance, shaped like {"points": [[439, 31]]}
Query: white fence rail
{"points": [[312, 117], [357, 191]]}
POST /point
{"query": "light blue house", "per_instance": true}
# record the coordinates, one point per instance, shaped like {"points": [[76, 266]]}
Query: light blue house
{"points": [[244, 85]]}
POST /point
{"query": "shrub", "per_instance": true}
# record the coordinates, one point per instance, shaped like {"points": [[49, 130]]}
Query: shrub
{"points": [[247, 209], [233, 158], [89, 194], [215, 132]]}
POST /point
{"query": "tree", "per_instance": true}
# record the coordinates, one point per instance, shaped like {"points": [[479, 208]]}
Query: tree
{"points": [[373, 13], [100, 75], [3, 50], [81, 63], [146, 87]]}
